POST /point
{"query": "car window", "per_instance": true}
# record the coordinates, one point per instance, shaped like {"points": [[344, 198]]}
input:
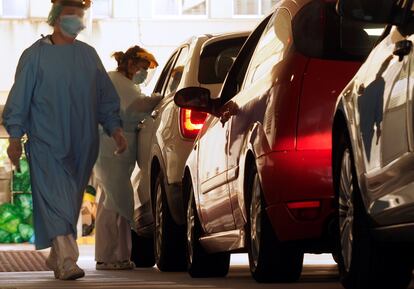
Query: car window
{"points": [[217, 58], [164, 74], [273, 44], [177, 72], [237, 72], [318, 31]]}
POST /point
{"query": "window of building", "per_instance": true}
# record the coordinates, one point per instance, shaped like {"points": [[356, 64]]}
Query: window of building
{"points": [[180, 7], [243, 7], [126, 9], [267, 6], [194, 7], [39, 8], [253, 7], [102, 8], [14, 8]]}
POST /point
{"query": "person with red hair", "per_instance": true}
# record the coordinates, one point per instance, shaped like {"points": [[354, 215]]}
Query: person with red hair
{"points": [[113, 173]]}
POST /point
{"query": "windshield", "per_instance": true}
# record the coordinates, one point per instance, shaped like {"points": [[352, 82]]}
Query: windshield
{"points": [[217, 58], [320, 32]]}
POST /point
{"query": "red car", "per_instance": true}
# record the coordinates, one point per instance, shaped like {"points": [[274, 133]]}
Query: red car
{"points": [[259, 177]]}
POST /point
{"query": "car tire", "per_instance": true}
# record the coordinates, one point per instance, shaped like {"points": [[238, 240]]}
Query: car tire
{"points": [[270, 260], [363, 261], [200, 263], [142, 252], [169, 238]]}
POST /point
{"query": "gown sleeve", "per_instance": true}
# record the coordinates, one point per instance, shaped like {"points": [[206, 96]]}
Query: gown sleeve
{"points": [[109, 103], [144, 104], [16, 110]]}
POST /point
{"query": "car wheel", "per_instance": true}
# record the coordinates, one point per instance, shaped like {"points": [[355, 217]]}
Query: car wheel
{"points": [[200, 263], [142, 252], [169, 238], [270, 260], [364, 262]]}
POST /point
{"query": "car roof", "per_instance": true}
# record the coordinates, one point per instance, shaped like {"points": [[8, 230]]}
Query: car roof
{"points": [[226, 36], [294, 5], [218, 36]]}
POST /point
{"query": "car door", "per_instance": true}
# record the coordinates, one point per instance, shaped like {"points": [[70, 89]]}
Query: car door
{"points": [[213, 189], [147, 129], [166, 117], [164, 86], [146, 135], [215, 202], [256, 97], [384, 130]]}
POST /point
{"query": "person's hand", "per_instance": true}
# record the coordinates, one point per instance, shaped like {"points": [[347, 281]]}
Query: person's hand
{"points": [[156, 95], [232, 108], [228, 110], [120, 141], [14, 151]]}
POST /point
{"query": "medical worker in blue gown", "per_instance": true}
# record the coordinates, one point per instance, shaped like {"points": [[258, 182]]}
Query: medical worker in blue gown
{"points": [[113, 173], [60, 95]]}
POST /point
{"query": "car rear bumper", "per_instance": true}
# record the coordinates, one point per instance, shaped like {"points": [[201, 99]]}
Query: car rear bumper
{"points": [[295, 177], [288, 228]]}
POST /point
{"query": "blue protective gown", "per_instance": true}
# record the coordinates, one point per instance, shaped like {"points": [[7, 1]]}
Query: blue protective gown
{"points": [[60, 95]]}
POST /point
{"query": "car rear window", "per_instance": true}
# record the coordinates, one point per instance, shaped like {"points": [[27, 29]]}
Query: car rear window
{"points": [[217, 58], [320, 32]]}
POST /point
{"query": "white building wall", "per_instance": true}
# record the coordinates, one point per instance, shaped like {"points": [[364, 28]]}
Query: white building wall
{"points": [[133, 23]]}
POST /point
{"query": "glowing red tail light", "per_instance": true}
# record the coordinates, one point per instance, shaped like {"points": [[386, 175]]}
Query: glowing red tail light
{"points": [[191, 121]]}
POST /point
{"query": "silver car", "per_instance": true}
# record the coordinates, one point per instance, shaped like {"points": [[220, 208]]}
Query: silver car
{"points": [[164, 142], [373, 154]]}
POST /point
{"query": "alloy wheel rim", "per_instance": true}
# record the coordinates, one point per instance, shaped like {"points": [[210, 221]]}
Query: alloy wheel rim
{"points": [[255, 221], [190, 231], [346, 209], [158, 223]]}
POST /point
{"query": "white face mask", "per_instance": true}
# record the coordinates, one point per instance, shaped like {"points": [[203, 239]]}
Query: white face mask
{"points": [[140, 76]]}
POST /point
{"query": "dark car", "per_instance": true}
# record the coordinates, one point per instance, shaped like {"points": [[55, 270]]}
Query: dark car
{"points": [[373, 155], [259, 177]]}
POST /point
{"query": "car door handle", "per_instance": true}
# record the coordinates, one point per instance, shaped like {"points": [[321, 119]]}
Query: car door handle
{"points": [[155, 113]]}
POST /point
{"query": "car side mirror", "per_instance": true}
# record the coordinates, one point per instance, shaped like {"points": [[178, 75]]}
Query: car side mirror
{"points": [[374, 11], [197, 98]]}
